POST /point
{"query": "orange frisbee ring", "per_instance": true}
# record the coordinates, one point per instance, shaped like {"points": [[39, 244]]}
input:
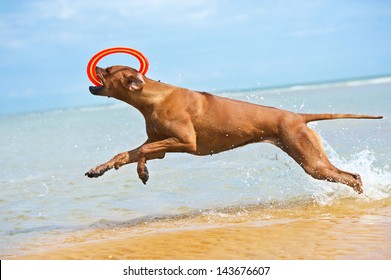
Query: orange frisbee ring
{"points": [[91, 67]]}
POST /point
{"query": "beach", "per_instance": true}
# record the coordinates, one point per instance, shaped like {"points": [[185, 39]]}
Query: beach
{"points": [[312, 233], [253, 202]]}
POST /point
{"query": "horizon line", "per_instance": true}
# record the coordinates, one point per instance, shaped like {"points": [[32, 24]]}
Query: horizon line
{"points": [[286, 87]]}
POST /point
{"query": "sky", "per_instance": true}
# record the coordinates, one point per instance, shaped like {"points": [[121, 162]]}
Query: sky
{"points": [[208, 45]]}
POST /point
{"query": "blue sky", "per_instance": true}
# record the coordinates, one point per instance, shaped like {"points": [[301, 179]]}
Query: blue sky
{"points": [[207, 45]]}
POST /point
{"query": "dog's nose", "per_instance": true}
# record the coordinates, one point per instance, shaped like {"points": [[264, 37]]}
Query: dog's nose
{"points": [[93, 90]]}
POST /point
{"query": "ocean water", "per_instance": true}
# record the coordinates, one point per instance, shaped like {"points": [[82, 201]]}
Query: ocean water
{"points": [[44, 193]]}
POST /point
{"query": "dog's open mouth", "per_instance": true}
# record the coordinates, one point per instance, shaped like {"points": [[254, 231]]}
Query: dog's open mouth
{"points": [[96, 89]]}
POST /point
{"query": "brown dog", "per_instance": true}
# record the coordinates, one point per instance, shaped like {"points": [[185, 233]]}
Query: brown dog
{"points": [[199, 123]]}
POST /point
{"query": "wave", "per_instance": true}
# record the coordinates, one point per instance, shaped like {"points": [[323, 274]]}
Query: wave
{"points": [[338, 84], [266, 213]]}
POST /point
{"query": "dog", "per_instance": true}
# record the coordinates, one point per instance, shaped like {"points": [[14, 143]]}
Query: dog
{"points": [[186, 121]]}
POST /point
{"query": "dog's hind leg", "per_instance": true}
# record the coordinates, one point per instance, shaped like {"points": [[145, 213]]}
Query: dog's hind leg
{"points": [[304, 146]]}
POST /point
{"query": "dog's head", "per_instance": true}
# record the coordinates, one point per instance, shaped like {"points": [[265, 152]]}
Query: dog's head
{"points": [[118, 82]]}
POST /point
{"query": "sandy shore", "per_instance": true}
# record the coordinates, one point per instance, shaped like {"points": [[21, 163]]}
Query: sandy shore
{"points": [[337, 232]]}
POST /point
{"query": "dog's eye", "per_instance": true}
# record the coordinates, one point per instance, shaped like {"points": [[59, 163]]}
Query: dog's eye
{"points": [[108, 70]]}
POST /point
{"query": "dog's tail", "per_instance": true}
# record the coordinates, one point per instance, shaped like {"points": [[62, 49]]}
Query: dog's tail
{"points": [[320, 117]]}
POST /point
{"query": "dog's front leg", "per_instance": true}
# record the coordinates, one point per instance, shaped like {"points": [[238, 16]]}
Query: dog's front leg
{"points": [[142, 170], [116, 162], [122, 159], [157, 150]]}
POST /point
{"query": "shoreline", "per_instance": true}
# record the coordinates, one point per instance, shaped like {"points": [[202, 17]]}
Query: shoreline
{"points": [[312, 233]]}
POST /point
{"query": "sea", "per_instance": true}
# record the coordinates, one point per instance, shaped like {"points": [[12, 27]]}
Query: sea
{"points": [[44, 194]]}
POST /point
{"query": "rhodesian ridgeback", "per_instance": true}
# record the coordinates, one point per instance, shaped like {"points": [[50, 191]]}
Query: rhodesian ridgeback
{"points": [[199, 123]]}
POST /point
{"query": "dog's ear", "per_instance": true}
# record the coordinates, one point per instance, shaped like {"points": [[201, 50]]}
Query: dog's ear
{"points": [[134, 82]]}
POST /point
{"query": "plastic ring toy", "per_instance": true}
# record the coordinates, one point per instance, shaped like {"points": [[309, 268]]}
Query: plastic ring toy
{"points": [[91, 67]]}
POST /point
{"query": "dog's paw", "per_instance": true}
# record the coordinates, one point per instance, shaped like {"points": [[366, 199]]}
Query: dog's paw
{"points": [[144, 176], [97, 171], [358, 189]]}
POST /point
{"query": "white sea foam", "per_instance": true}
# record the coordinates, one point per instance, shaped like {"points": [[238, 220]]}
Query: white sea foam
{"points": [[338, 84], [376, 180]]}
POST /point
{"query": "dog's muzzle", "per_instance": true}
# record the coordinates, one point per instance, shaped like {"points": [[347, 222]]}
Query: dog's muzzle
{"points": [[95, 89]]}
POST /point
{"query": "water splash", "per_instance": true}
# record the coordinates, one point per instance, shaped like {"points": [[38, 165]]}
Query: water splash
{"points": [[376, 180]]}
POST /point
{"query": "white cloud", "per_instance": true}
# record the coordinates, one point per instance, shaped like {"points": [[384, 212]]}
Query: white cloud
{"points": [[163, 11], [58, 9], [62, 21], [312, 32], [27, 93]]}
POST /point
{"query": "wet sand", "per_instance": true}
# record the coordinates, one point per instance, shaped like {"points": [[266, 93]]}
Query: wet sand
{"points": [[350, 230]]}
